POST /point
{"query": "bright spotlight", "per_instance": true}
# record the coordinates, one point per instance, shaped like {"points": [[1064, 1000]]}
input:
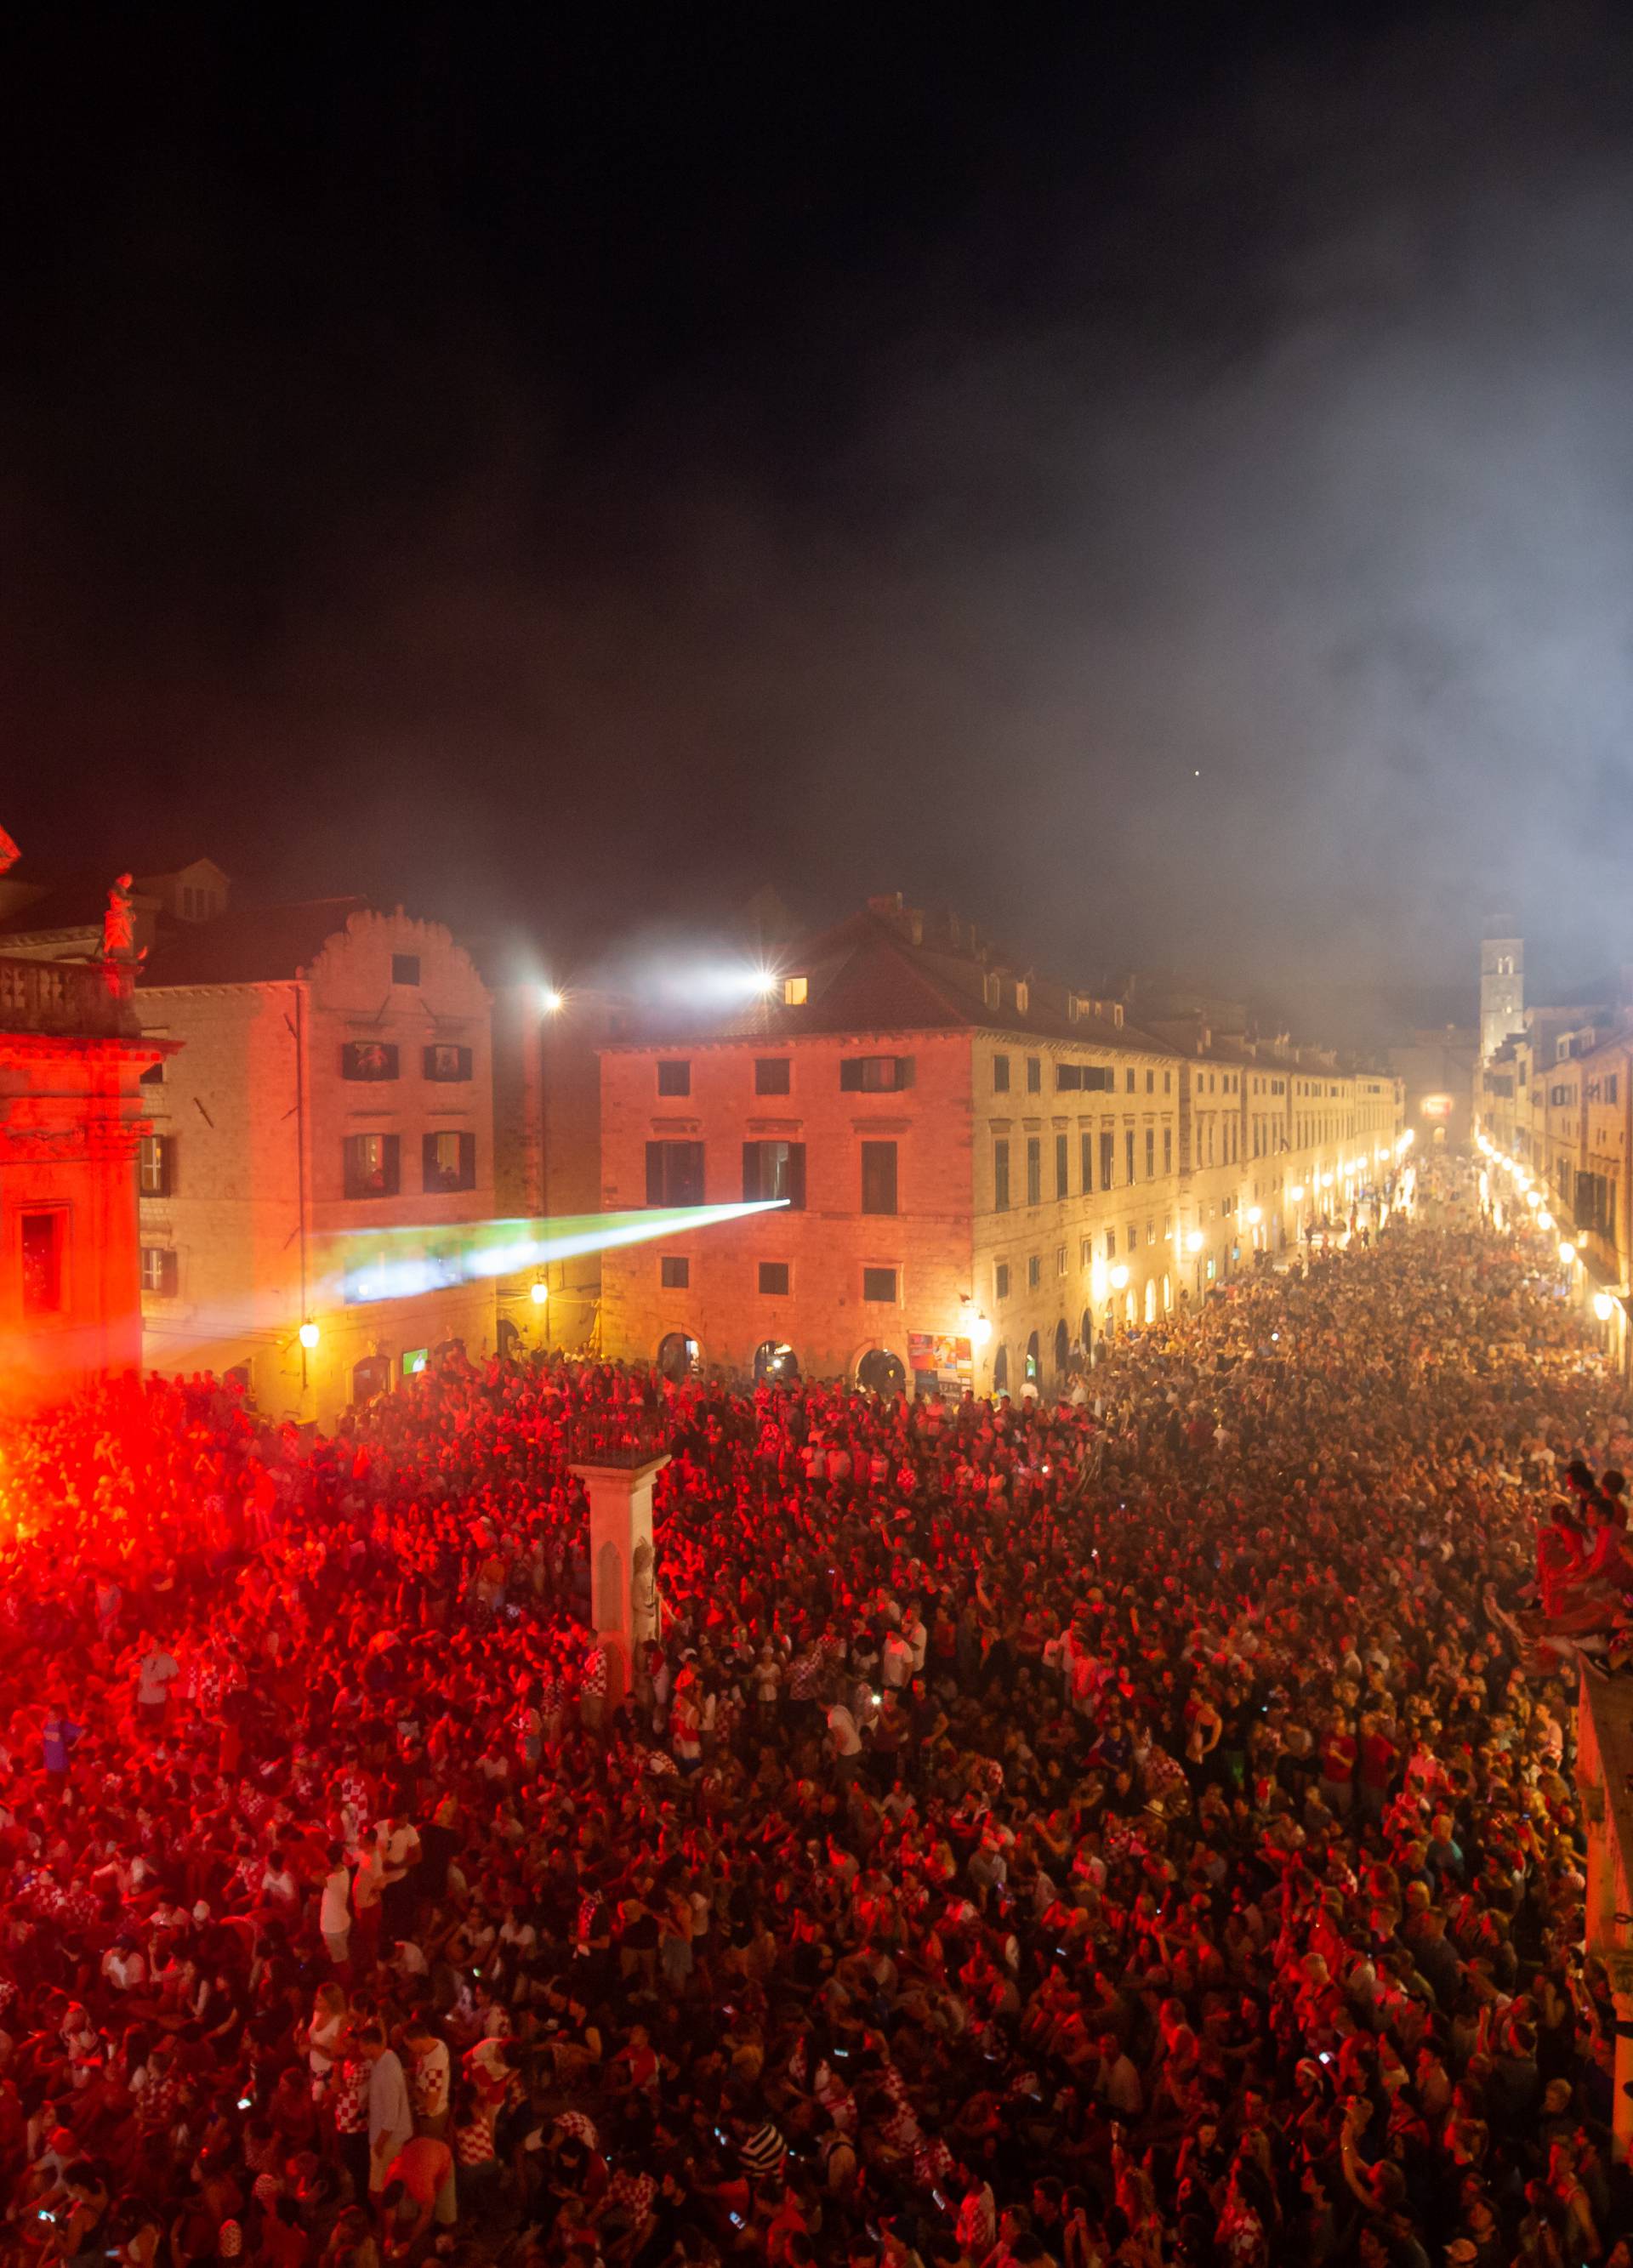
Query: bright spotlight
{"points": [[1193, 1242], [1255, 1214], [551, 1001], [1120, 1275], [1296, 1193], [1567, 1253]]}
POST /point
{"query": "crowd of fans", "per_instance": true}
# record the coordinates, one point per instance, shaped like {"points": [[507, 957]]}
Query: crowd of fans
{"points": [[1114, 1832]]}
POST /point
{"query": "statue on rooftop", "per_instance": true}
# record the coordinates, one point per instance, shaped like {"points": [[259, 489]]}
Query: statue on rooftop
{"points": [[118, 923]]}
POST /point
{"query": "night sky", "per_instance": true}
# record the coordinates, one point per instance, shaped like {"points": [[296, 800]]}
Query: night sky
{"points": [[1162, 491]]}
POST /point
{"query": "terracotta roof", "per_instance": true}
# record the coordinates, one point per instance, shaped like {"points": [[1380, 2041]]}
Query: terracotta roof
{"points": [[251, 944], [867, 976]]}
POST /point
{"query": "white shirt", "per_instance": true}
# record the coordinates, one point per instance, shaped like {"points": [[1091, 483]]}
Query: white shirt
{"points": [[842, 1725], [153, 1678]]}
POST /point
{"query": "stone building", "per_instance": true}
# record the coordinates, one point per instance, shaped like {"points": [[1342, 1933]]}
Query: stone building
{"points": [[71, 1058], [983, 1172], [314, 1151]]}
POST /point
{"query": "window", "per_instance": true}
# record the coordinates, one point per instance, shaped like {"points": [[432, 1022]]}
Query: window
{"points": [[450, 1161], [1150, 1082], [1001, 1178], [674, 1173], [1034, 1075], [1000, 1074], [1610, 1086], [154, 1075], [774, 1171], [1168, 1149], [156, 1166], [1060, 1260], [879, 1283], [772, 1074], [1150, 1151], [446, 1065], [1085, 1161], [1000, 1280], [40, 1236], [405, 968], [675, 1077], [1034, 1271], [1108, 1156], [1034, 1170], [1062, 1171], [794, 989], [1168, 1082], [368, 1059], [878, 1177], [674, 1272], [774, 1279], [875, 1074], [371, 1164], [1110, 1244], [1129, 1080], [1128, 1151], [159, 1270]]}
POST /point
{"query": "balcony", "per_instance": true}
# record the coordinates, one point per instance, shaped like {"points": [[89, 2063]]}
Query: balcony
{"points": [[77, 999]]}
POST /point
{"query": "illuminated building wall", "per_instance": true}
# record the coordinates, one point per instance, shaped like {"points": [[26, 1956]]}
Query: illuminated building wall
{"points": [[335, 1080], [71, 1115], [1058, 1173]]}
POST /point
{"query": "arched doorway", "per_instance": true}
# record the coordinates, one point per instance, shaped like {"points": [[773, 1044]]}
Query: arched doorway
{"points": [[1062, 1347], [1033, 1359], [881, 1372], [1150, 1299], [1088, 1331], [370, 1377], [509, 1336], [1168, 1294], [1000, 1370], [677, 1357], [775, 1364], [1130, 1313]]}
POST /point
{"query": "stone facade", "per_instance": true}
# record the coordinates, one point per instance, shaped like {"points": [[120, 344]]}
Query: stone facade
{"points": [[1057, 1175], [249, 1224], [71, 1118]]}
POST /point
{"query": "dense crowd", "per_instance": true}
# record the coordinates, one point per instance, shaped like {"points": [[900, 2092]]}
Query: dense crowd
{"points": [[1114, 1832]]}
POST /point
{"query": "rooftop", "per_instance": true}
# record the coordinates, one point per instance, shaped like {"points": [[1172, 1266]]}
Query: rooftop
{"points": [[251, 944]]}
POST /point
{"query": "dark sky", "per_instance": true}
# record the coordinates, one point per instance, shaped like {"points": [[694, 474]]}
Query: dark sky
{"points": [[1164, 490]]}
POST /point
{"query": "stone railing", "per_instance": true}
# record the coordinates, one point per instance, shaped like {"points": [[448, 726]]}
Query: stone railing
{"points": [[82, 1000]]}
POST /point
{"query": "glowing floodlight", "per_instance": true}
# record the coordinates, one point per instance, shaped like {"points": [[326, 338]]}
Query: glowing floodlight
{"points": [[1193, 1242], [1120, 1275], [551, 1001], [1255, 1214], [1296, 1193]]}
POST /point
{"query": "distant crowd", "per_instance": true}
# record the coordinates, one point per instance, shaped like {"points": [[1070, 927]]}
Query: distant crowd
{"points": [[1137, 1830]]}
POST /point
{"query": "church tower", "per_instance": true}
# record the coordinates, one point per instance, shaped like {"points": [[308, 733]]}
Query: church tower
{"points": [[1502, 991]]}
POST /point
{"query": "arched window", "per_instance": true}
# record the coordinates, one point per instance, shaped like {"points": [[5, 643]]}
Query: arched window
{"points": [[1168, 1294], [1150, 1300], [880, 1372], [1033, 1359], [678, 1356], [1088, 1332], [775, 1364], [1001, 1370], [370, 1377], [1062, 1347]]}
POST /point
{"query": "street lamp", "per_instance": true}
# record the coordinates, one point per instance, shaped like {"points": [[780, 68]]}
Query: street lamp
{"points": [[1120, 1275], [1192, 1243], [1603, 1305], [309, 1336], [1296, 1193], [1545, 1222], [538, 1292], [1255, 1214], [1567, 1253]]}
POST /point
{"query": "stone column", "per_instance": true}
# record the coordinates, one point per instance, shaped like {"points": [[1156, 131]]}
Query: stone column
{"points": [[622, 1586]]}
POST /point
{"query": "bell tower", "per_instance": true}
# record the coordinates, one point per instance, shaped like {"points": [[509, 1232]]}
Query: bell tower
{"points": [[1502, 990]]}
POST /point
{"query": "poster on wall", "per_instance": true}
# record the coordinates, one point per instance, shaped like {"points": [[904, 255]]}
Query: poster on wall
{"points": [[939, 1364]]}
